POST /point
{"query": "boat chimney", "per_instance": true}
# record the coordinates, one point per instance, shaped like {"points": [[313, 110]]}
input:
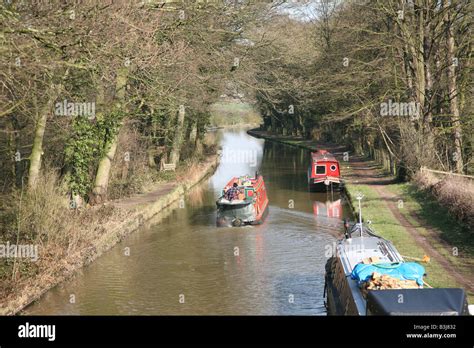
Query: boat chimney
{"points": [[346, 229], [359, 197]]}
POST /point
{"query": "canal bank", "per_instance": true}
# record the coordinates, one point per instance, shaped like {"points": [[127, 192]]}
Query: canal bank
{"points": [[396, 210], [185, 265], [130, 214]]}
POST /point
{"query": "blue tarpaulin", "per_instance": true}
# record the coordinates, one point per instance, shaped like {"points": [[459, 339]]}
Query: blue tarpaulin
{"points": [[402, 271]]}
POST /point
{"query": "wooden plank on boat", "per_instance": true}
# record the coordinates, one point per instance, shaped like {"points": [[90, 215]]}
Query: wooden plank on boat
{"points": [[369, 260]]}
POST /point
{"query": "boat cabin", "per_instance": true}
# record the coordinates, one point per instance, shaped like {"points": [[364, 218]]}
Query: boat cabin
{"points": [[324, 170]]}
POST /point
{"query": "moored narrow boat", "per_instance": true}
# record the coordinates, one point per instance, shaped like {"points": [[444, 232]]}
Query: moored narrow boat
{"points": [[324, 172], [368, 276], [247, 204]]}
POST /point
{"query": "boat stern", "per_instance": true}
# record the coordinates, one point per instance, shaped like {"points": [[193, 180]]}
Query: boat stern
{"points": [[235, 213]]}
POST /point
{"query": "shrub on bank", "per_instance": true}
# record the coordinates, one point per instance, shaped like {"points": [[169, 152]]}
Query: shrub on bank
{"points": [[43, 219], [453, 193]]}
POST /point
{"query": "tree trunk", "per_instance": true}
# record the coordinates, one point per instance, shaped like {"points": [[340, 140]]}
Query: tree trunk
{"points": [[176, 149], [198, 140], [420, 58], [37, 150], [273, 123], [11, 150], [19, 163], [193, 134], [428, 113], [99, 192], [452, 91], [302, 126]]}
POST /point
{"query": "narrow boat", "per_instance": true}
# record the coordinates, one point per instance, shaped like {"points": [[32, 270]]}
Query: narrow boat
{"points": [[368, 276], [324, 173], [247, 204]]}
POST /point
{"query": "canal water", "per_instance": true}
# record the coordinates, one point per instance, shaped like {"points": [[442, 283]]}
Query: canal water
{"points": [[183, 264]]}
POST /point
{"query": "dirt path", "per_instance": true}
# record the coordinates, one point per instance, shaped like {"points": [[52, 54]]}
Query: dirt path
{"points": [[368, 173], [131, 202], [185, 176]]}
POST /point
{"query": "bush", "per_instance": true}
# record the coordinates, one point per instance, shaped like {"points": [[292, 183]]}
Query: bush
{"points": [[454, 193], [42, 210]]}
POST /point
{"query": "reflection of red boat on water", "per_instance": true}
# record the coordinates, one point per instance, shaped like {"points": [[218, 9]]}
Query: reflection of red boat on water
{"points": [[324, 172], [328, 209], [243, 202]]}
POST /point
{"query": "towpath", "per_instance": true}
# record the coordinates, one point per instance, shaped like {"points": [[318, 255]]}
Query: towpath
{"points": [[368, 172]]}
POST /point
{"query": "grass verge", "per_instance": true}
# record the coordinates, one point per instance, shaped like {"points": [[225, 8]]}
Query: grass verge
{"points": [[385, 224]]}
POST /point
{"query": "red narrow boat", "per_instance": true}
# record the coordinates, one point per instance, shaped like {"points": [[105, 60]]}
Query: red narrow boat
{"points": [[243, 202], [324, 173]]}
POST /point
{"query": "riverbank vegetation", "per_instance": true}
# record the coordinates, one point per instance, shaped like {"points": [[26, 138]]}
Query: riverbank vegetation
{"points": [[452, 193], [389, 79]]}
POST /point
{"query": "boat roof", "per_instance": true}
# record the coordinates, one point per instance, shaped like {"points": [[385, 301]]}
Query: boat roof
{"points": [[354, 250], [323, 155], [251, 181]]}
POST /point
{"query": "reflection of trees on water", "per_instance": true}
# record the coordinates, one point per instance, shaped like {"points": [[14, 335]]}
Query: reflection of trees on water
{"points": [[285, 165], [197, 196]]}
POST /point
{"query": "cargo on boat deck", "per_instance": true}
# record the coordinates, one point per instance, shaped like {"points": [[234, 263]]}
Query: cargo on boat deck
{"points": [[243, 202]]}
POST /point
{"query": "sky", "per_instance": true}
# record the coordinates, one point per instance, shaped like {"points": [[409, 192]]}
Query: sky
{"points": [[300, 9]]}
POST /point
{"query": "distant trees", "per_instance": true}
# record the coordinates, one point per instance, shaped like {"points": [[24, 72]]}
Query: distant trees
{"points": [[361, 56]]}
